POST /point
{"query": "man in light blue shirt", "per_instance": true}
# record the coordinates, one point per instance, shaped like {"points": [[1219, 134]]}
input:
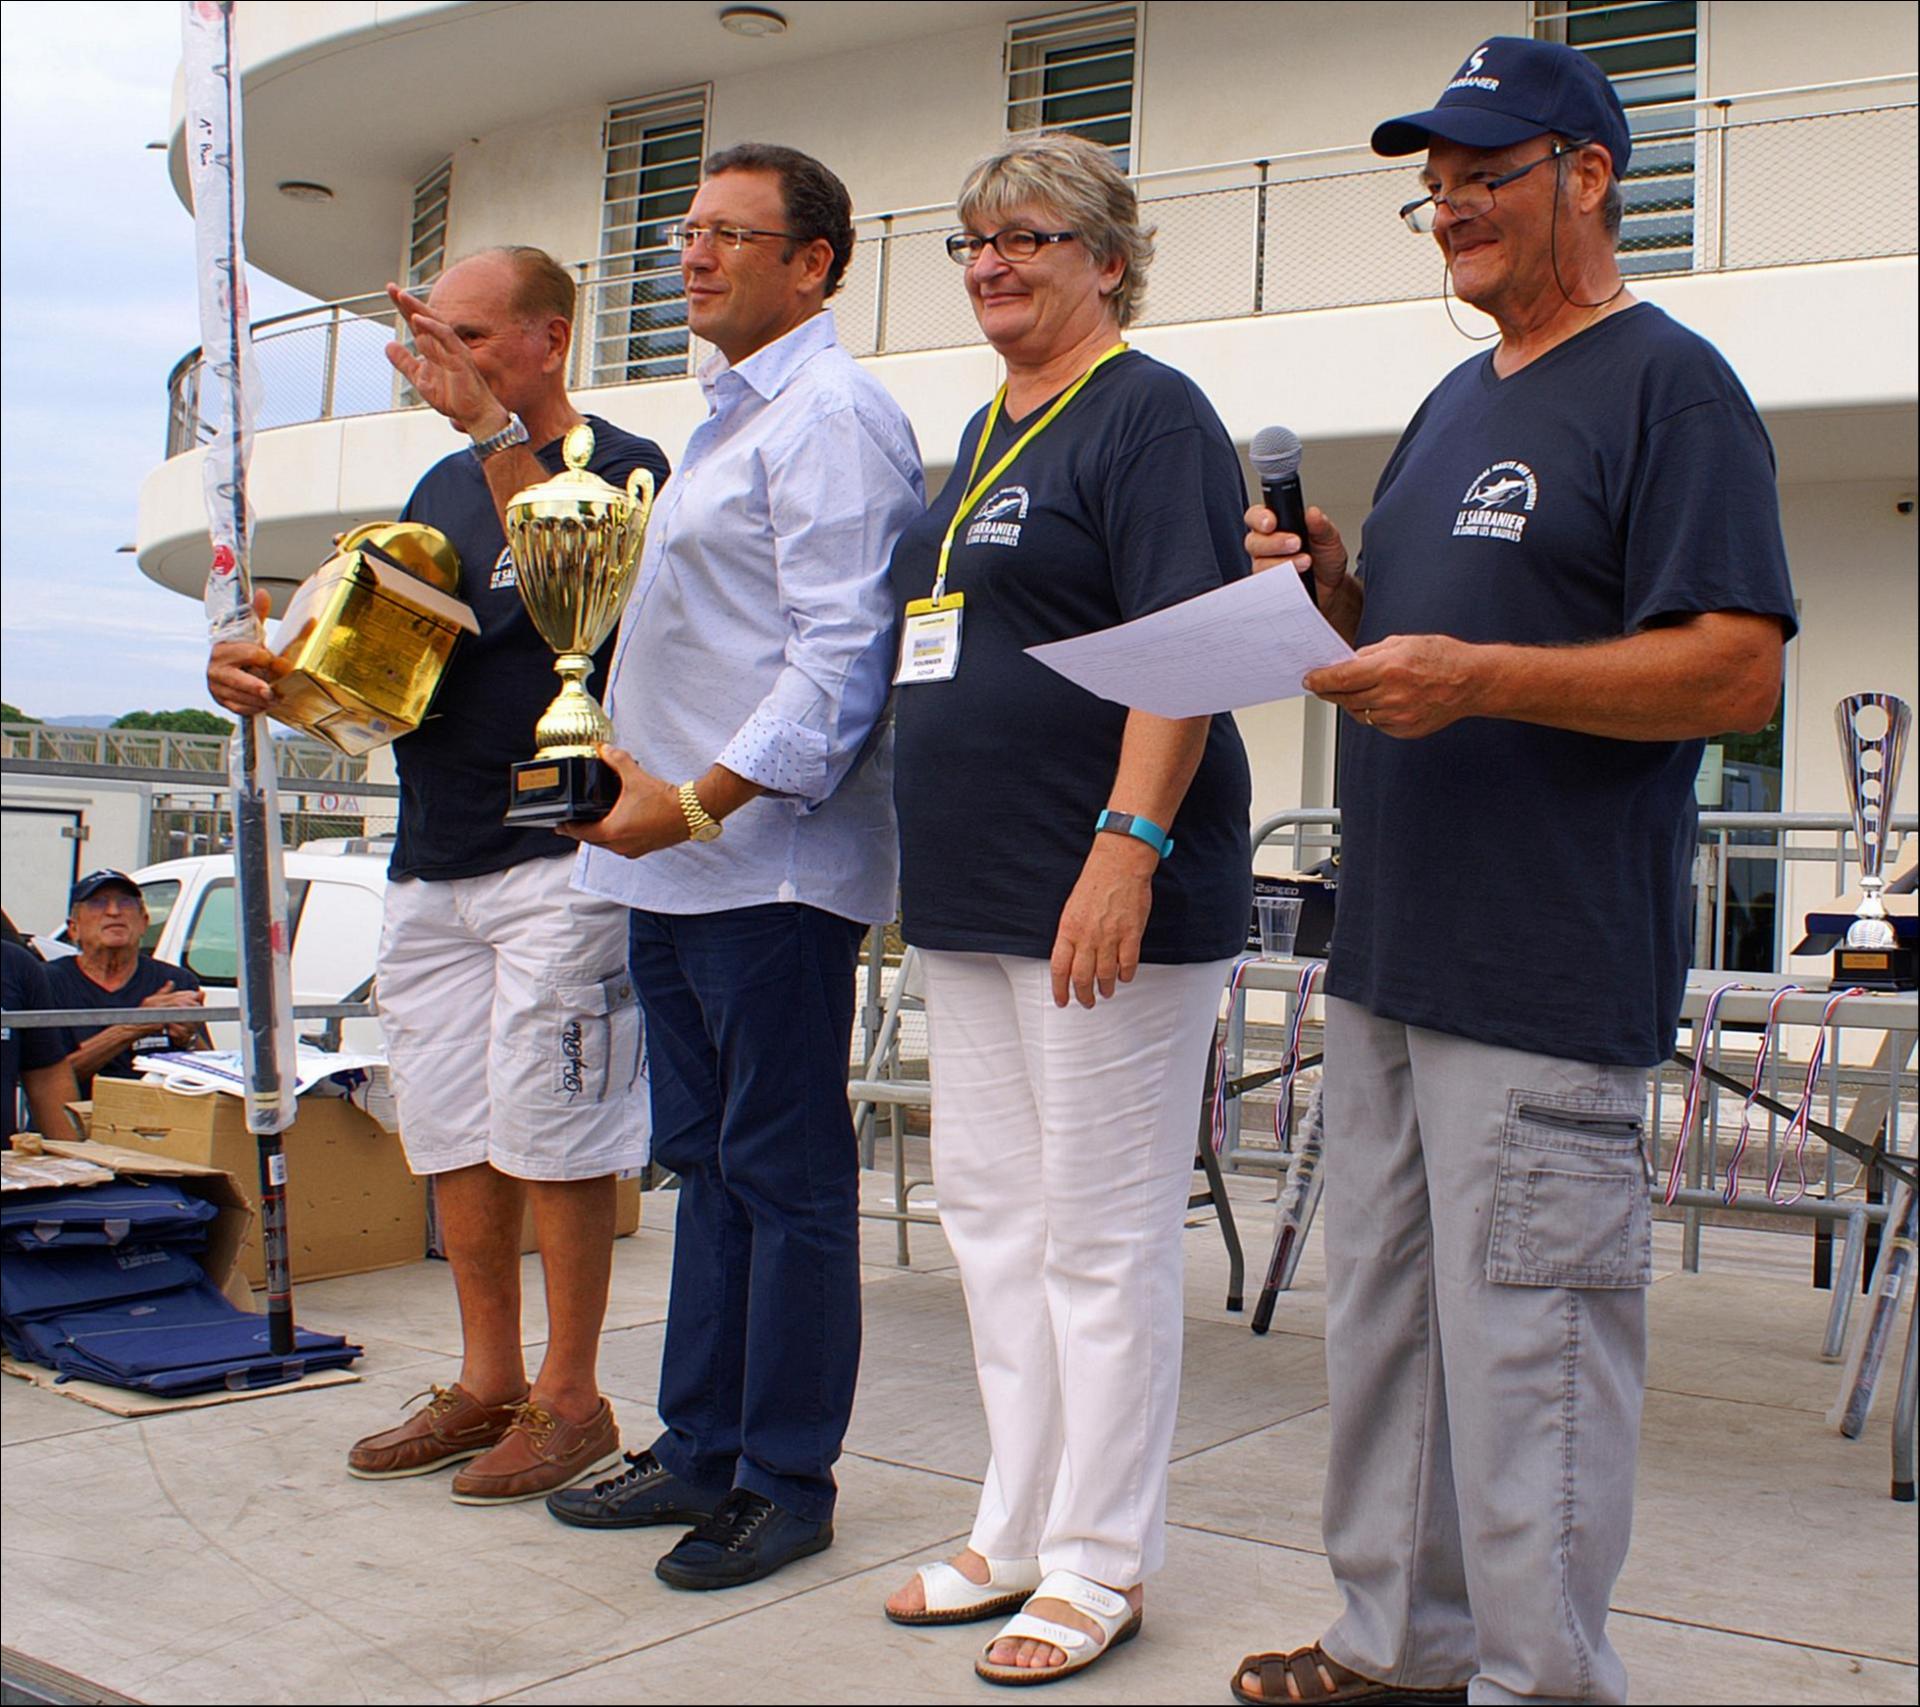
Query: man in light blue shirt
{"points": [[754, 663]]}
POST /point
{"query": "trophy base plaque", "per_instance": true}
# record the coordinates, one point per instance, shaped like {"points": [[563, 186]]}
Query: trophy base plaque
{"points": [[1877, 968], [572, 789]]}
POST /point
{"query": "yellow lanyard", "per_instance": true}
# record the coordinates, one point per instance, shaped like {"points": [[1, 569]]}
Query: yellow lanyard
{"points": [[977, 489]]}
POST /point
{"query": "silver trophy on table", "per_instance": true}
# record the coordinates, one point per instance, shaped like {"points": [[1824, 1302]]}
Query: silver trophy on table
{"points": [[1873, 741]]}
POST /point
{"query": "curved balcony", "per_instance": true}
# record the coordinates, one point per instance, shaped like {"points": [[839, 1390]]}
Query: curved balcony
{"points": [[1239, 240]]}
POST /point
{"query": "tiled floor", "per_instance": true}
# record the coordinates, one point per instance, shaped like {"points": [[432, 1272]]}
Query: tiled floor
{"points": [[221, 1555]]}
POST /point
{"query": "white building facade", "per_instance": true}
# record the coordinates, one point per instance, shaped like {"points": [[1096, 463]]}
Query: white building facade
{"points": [[1772, 208]]}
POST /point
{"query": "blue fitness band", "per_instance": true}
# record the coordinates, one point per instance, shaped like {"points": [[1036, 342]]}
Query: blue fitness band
{"points": [[1141, 829]]}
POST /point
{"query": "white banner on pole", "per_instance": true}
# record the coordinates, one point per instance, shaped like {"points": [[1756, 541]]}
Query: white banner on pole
{"points": [[214, 169]]}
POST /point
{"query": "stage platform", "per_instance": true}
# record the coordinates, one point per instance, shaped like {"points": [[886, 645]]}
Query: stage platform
{"points": [[223, 1555]]}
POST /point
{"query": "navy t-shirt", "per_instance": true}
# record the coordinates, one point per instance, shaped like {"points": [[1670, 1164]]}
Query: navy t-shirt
{"points": [[25, 1049], [1130, 501], [1525, 886], [454, 768], [72, 988]]}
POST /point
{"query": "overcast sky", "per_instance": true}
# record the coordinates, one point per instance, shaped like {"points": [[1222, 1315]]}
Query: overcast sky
{"points": [[96, 305]]}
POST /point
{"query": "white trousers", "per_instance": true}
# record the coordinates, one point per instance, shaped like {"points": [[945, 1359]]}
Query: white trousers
{"points": [[1063, 1147]]}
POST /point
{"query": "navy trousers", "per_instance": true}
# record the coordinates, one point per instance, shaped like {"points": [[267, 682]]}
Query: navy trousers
{"points": [[749, 1018]]}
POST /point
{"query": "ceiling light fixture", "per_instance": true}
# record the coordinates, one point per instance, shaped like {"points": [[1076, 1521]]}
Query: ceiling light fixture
{"points": [[299, 190], [753, 21]]}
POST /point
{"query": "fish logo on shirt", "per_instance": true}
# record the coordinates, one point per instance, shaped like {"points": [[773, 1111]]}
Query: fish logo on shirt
{"points": [[1498, 503], [997, 521], [503, 573], [1496, 494]]}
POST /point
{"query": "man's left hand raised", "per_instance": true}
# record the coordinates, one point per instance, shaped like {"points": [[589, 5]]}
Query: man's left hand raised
{"points": [[645, 817], [1407, 686], [442, 369]]}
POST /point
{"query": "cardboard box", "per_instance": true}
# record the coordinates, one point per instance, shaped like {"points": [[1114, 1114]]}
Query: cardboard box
{"points": [[126, 1402], [626, 1218], [352, 1204]]}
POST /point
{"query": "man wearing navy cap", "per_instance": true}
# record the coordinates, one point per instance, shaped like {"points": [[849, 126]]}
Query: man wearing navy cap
{"points": [[1572, 573], [106, 918]]}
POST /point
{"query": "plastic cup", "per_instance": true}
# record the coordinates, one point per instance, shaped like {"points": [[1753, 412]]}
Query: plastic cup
{"points": [[1279, 917]]}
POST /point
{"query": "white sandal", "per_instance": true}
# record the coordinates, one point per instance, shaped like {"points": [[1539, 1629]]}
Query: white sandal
{"points": [[955, 1598], [1118, 1622]]}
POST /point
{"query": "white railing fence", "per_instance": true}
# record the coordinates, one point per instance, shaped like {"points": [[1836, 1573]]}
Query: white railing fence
{"points": [[1722, 193]]}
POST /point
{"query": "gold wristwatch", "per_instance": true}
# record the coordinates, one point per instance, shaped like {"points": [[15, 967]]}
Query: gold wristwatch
{"points": [[702, 826]]}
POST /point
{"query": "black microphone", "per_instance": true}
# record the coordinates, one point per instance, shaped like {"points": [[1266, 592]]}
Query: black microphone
{"points": [[1275, 455]]}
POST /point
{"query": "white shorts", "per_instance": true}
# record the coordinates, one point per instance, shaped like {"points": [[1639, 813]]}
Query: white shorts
{"points": [[512, 1026]]}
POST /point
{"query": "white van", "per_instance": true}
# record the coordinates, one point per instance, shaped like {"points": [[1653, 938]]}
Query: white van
{"points": [[335, 894]]}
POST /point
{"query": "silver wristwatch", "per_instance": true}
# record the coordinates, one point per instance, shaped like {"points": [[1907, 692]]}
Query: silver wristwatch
{"points": [[513, 433]]}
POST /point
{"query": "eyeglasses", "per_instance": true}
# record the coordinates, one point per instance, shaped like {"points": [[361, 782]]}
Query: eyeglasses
{"points": [[106, 900], [1016, 243], [721, 236], [1470, 201]]}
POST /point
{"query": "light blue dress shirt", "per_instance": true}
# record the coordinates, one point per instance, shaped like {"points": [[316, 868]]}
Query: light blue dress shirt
{"points": [[761, 634]]}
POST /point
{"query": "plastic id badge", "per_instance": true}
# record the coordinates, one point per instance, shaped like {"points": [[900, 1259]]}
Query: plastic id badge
{"points": [[930, 640]]}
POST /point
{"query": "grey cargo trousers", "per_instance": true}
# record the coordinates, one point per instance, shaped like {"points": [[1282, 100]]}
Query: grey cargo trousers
{"points": [[1489, 1243]]}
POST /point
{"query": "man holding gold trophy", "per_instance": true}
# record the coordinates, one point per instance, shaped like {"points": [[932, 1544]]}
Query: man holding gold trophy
{"points": [[754, 842], [511, 1022]]}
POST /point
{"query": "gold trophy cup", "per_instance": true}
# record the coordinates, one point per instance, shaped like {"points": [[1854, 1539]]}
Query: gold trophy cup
{"points": [[576, 545], [1873, 740], [366, 638]]}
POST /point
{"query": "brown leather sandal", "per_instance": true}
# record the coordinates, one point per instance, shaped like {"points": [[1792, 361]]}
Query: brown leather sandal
{"points": [[1321, 1680]]}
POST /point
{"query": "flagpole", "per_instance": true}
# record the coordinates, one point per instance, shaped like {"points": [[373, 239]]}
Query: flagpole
{"points": [[214, 164]]}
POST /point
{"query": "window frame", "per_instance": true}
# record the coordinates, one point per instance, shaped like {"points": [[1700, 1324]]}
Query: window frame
{"points": [[157, 915], [615, 269], [296, 901], [1548, 20], [1036, 39], [424, 265]]}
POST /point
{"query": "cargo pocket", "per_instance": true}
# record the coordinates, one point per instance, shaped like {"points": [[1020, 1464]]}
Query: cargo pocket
{"points": [[596, 1047], [1570, 1207]]}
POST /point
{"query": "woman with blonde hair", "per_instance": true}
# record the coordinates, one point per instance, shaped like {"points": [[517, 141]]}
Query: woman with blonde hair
{"points": [[1075, 876]]}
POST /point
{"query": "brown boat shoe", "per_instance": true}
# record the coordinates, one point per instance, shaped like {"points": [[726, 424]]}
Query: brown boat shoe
{"points": [[539, 1454], [451, 1427]]}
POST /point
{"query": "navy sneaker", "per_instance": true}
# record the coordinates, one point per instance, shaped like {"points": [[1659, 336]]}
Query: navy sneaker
{"points": [[645, 1492], [747, 1538]]}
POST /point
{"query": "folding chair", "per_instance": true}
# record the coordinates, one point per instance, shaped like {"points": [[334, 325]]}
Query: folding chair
{"points": [[879, 1084]]}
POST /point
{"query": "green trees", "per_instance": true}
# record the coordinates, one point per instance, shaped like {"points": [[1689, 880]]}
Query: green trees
{"points": [[186, 722]]}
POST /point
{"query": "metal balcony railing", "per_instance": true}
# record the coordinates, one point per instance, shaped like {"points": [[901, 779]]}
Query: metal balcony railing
{"points": [[105, 751], [1715, 193]]}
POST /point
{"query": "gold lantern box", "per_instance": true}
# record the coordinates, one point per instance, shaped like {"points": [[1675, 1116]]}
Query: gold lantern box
{"points": [[364, 642]]}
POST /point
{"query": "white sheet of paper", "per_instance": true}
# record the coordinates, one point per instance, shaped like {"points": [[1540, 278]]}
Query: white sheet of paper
{"points": [[198, 1071], [1242, 644]]}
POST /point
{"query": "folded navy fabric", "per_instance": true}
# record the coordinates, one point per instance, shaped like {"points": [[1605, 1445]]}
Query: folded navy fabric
{"points": [[50, 1282], [150, 1212], [256, 1368], [188, 1340], [100, 1283], [52, 1337]]}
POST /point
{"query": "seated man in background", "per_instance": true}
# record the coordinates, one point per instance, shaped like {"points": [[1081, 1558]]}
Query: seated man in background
{"points": [[106, 918], [32, 1058]]}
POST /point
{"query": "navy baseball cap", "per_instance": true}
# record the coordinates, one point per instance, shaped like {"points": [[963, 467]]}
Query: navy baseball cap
{"points": [[1511, 88], [91, 885]]}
